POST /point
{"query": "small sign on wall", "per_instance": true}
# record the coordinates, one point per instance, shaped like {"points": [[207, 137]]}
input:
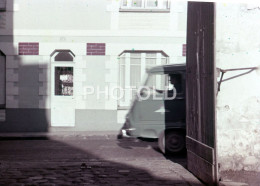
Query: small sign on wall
{"points": [[184, 50]]}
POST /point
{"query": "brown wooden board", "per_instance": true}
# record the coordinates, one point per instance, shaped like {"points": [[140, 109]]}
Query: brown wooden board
{"points": [[201, 168], [202, 150], [200, 91]]}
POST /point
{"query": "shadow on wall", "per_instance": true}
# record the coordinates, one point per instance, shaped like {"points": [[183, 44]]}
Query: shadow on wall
{"points": [[23, 99], [20, 110]]}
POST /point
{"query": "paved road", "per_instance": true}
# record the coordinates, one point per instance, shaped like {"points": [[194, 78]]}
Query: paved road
{"points": [[94, 160]]}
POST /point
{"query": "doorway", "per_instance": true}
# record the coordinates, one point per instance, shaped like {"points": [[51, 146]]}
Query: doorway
{"points": [[62, 89]]}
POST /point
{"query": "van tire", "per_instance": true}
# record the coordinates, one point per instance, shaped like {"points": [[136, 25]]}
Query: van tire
{"points": [[174, 141]]}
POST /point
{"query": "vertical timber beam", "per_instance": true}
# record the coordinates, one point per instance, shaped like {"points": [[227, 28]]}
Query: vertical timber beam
{"points": [[200, 91]]}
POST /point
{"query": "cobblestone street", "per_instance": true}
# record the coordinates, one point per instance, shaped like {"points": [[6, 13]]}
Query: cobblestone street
{"points": [[89, 160]]}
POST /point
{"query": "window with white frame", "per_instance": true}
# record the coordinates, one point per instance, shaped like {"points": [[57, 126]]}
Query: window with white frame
{"points": [[145, 4], [132, 68]]}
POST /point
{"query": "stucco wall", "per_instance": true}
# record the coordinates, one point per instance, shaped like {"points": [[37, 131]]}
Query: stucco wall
{"points": [[75, 17], [71, 24], [238, 102]]}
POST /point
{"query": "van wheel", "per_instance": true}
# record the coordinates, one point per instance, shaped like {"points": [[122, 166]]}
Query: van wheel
{"points": [[174, 141]]}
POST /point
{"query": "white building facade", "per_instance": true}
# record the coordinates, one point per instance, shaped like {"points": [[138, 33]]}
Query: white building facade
{"points": [[54, 52], [238, 102]]}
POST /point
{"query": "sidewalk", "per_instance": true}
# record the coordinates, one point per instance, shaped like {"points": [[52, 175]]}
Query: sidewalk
{"points": [[59, 135]]}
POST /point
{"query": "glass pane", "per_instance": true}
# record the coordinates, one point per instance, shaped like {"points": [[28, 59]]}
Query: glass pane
{"points": [[135, 76], [122, 76], [150, 55], [174, 80], [124, 3], [164, 61], [150, 62], [135, 61], [136, 3], [156, 83], [165, 4], [64, 81], [135, 55], [122, 82], [152, 3]]}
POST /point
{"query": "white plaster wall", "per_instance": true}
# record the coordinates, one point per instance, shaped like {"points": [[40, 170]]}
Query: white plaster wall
{"points": [[70, 24], [88, 17], [60, 14], [238, 102], [86, 67]]}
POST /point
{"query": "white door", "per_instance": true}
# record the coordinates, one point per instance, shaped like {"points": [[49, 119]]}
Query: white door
{"points": [[62, 95]]}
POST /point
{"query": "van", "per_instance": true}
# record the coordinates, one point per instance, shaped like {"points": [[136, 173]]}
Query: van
{"points": [[158, 109]]}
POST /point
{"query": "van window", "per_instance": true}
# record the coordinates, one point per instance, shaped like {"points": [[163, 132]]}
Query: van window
{"points": [[174, 80], [157, 82], [160, 83]]}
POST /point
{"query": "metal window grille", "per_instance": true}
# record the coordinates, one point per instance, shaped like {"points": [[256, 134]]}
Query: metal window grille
{"points": [[64, 81]]}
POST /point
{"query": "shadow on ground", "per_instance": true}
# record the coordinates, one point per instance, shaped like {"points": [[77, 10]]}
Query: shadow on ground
{"points": [[180, 158], [51, 162]]}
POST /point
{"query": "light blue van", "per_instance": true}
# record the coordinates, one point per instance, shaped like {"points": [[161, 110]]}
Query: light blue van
{"points": [[158, 109]]}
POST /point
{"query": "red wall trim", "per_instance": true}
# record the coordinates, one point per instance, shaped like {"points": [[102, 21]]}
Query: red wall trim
{"points": [[96, 49], [25, 48]]}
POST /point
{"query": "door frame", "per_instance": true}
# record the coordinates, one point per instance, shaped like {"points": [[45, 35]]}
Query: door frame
{"points": [[62, 63]]}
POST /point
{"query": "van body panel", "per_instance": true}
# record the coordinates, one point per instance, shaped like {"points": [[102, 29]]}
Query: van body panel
{"points": [[149, 117]]}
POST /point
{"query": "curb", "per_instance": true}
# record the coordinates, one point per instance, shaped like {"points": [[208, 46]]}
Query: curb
{"points": [[231, 183], [59, 135]]}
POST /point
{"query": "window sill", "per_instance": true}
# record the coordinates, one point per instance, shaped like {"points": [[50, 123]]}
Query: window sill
{"points": [[144, 10], [123, 107]]}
